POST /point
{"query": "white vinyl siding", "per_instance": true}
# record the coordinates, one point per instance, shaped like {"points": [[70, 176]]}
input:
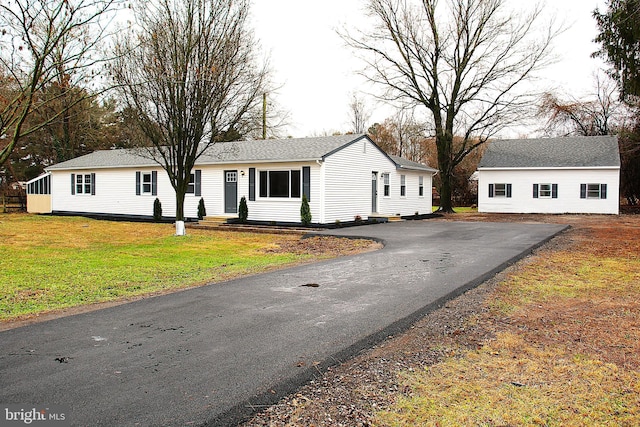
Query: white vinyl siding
{"points": [[348, 190], [116, 194], [567, 182], [340, 188]]}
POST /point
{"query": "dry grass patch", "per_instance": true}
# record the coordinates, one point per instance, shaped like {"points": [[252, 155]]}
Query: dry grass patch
{"points": [[567, 346], [512, 382]]}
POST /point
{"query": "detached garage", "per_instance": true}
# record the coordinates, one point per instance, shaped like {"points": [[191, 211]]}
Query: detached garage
{"points": [[550, 175]]}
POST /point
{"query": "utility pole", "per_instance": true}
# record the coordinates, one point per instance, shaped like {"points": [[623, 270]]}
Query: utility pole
{"points": [[264, 115]]}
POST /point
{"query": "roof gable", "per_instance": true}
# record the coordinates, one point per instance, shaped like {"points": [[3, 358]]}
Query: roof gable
{"points": [[566, 152]]}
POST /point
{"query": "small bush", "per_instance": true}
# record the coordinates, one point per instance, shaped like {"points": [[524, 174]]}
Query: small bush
{"points": [[243, 210], [157, 210], [305, 211], [202, 210]]}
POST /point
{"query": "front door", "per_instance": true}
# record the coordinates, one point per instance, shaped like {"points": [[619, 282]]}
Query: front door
{"points": [[374, 192], [231, 191]]}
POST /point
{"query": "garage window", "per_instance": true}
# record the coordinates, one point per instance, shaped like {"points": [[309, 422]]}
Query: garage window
{"points": [[500, 190]]}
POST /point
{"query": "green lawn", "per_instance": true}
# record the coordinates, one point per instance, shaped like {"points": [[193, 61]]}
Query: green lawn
{"points": [[49, 263]]}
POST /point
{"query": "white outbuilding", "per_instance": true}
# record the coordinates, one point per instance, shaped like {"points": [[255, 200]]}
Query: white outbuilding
{"points": [[345, 178], [550, 175]]}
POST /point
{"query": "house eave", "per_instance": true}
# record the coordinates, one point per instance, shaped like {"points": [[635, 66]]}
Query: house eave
{"points": [[156, 165], [543, 168], [408, 168]]}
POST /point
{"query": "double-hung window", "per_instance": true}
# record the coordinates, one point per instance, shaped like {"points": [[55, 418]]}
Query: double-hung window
{"points": [[421, 186], [403, 185], [195, 183], [191, 188], [545, 191], [83, 183], [593, 191], [387, 187], [500, 190], [146, 183]]}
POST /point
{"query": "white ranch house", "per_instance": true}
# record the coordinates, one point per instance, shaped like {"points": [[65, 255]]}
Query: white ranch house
{"points": [[550, 175], [344, 177]]}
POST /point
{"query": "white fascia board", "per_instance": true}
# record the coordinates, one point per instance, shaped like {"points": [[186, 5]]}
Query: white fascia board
{"points": [[78, 168], [38, 177], [258, 161], [547, 168]]}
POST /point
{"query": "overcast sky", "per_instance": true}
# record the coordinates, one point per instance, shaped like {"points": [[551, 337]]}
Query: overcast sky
{"points": [[318, 72]]}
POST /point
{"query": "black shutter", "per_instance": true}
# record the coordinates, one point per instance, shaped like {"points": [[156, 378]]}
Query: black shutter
{"points": [[198, 185], [263, 184], [93, 184], [508, 190], [73, 183], [491, 190], [603, 191], [535, 191], [583, 191], [154, 183], [554, 191], [252, 184], [306, 182], [137, 183]]}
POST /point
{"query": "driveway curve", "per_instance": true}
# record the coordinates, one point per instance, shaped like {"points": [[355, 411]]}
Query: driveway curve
{"points": [[215, 354]]}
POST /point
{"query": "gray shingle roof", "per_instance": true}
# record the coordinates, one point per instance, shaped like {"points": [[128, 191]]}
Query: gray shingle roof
{"points": [[270, 150], [403, 163], [577, 151]]}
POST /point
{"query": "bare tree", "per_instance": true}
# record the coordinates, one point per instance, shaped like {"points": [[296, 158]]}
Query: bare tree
{"points": [[602, 114], [359, 114], [401, 135], [42, 43], [191, 75], [461, 60]]}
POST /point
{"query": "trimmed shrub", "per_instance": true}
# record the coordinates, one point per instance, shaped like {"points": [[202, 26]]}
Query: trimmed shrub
{"points": [[243, 210], [305, 211], [202, 211], [157, 210]]}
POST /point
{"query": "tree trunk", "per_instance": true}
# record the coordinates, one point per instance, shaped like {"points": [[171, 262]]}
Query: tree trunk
{"points": [[180, 230], [444, 145]]}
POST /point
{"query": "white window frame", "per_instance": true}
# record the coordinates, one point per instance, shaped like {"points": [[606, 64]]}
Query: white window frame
{"points": [[386, 185], [191, 188], [594, 194], [545, 193], [500, 193], [421, 186], [83, 184], [144, 183], [403, 186]]}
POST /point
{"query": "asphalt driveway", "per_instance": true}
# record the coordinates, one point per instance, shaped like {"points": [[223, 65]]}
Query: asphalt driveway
{"points": [[210, 355]]}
